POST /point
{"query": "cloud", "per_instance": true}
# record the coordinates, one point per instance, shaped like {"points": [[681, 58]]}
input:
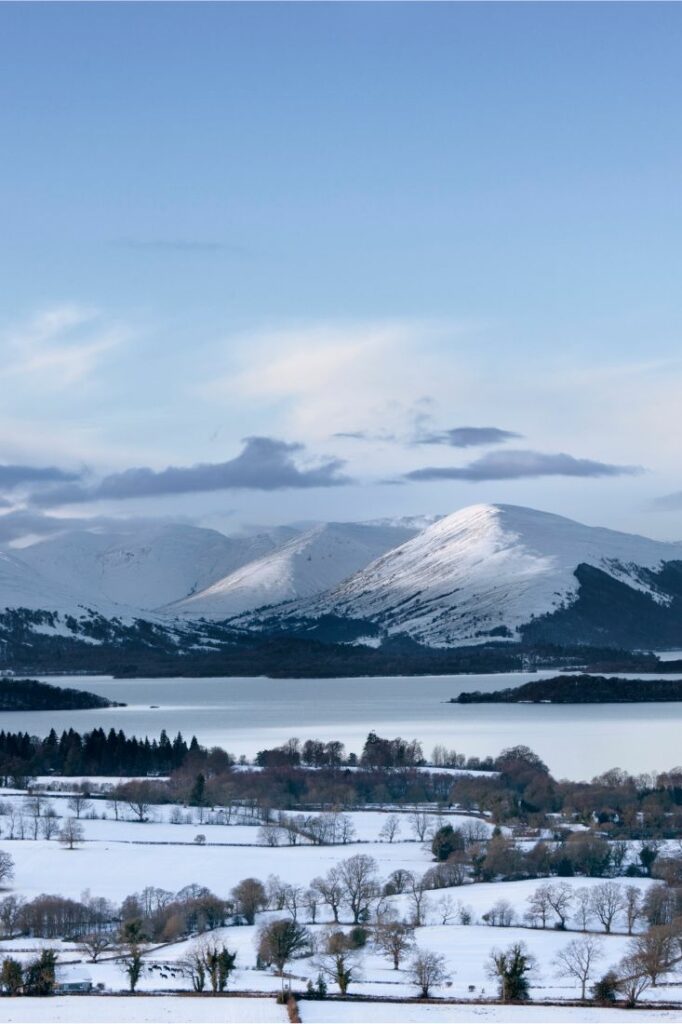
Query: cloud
{"points": [[264, 464], [669, 502], [467, 437], [25, 524], [514, 465], [12, 476], [58, 347]]}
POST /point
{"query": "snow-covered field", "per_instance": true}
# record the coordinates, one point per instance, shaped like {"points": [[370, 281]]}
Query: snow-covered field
{"points": [[121, 857], [141, 1010], [420, 1013]]}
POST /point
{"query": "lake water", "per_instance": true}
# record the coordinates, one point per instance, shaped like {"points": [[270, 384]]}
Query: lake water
{"points": [[245, 715]]}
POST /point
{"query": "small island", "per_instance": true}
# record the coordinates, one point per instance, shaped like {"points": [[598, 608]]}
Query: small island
{"points": [[30, 695], [579, 689]]}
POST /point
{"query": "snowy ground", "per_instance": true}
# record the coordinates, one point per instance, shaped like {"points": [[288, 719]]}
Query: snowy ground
{"points": [[119, 858], [141, 1010], [420, 1013]]}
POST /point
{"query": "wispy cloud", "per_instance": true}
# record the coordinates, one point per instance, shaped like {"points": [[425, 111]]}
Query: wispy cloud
{"points": [[59, 347], [515, 465], [264, 464], [669, 502]]}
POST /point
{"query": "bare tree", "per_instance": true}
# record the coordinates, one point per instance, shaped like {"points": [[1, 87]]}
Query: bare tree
{"points": [[500, 915], [360, 884], [447, 909], [633, 980], [6, 867], [390, 828], [607, 903], [331, 889], [269, 834], [71, 834], [560, 898], [655, 951], [49, 824], [417, 889], [420, 822], [539, 905], [632, 908], [79, 803], [94, 944], [293, 899], [428, 970], [578, 958], [394, 940], [583, 907]]}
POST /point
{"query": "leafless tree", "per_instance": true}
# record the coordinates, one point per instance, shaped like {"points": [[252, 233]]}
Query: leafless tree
{"points": [[655, 950], [6, 868], [607, 903], [420, 822], [500, 915], [560, 898], [583, 907], [331, 888], [95, 944], [539, 905], [390, 828], [633, 981], [394, 939], [417, 889], [360, 884], [79, 803], [578, 958], [293, 899], [269, 834], [71, 834], [632, 908], [447, 910], [428, 970]]}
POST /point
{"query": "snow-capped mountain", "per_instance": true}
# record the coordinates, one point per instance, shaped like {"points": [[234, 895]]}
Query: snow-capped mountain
{"points": [[21, 586], [307, 565], [487, 571], [144, 568]]}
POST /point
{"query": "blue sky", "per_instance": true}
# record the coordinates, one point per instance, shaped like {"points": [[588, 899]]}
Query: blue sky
{"points": [[303, 222]]}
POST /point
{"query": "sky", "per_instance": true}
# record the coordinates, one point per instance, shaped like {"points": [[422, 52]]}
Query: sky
{"points": [[279, 263]]}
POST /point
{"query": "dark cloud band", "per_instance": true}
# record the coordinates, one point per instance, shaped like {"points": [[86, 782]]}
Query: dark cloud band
{"points": [[264, 464], [514, 465]]}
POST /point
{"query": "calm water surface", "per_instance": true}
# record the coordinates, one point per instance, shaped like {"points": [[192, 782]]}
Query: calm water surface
{"points": [[245, 715]]}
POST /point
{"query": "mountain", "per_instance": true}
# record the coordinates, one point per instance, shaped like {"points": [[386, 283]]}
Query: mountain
{"points": [[22, 586], [143, 568], [505, 572], [484, 575], [307, 565]]}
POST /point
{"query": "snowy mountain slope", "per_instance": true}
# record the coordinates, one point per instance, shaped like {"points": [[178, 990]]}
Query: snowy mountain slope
{"points": [[145, 568], [22, 587], [307, 565], [486, 571]]}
